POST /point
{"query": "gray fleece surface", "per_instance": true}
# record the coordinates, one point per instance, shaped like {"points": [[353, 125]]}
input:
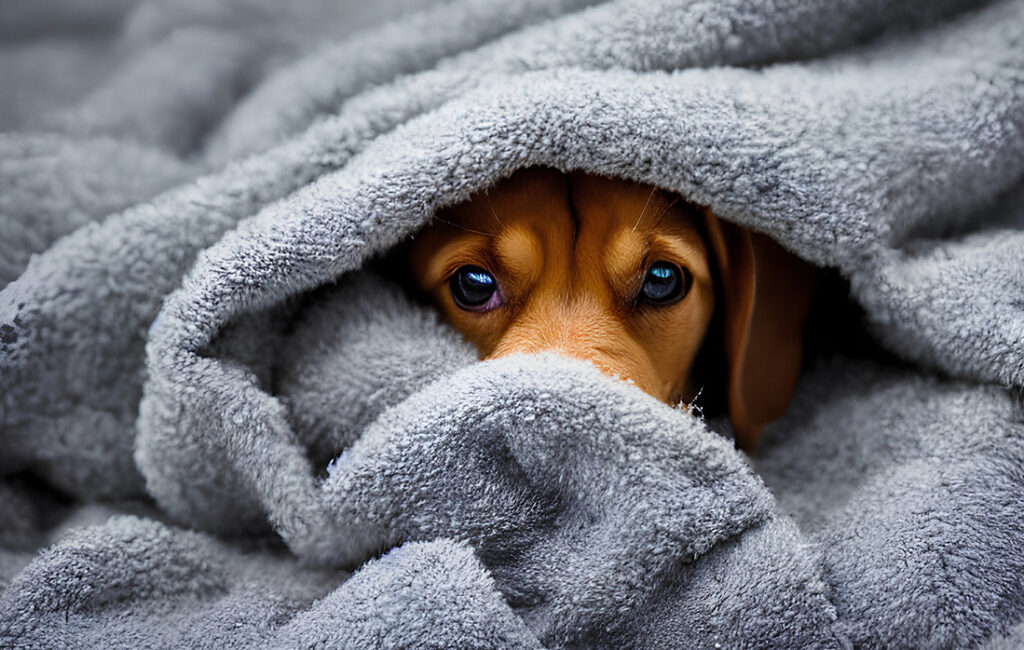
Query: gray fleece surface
{"points": [[220, 428]]}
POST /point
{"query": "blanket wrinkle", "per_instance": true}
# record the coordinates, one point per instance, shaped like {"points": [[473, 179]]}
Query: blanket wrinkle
{"points": [[600, 38], [292, 97], [296, 453], [150, 80]]}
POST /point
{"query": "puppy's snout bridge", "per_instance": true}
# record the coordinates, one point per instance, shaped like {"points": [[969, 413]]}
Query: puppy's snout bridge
{"points": [[588, 339]]}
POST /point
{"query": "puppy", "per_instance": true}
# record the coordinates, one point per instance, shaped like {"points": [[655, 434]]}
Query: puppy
{"points": [[626, 276]]}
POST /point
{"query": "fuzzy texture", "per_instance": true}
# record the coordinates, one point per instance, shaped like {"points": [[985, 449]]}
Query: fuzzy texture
{"points": [[218, 429]]}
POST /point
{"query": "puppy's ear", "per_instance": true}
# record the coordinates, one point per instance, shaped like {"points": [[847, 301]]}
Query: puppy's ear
{"points": [[766, 294]]}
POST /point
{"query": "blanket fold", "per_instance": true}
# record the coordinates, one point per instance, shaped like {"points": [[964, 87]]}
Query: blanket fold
{"points": [[219, 427]]}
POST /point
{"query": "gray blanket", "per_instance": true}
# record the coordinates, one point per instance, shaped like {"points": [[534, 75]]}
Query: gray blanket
{"points": [[221, 428]]}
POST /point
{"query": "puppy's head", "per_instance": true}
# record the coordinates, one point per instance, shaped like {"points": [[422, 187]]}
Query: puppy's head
{"points": [[610, 271]]}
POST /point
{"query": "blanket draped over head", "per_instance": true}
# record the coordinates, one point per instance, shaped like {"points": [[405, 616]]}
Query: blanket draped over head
{"points": [[222, 428]]}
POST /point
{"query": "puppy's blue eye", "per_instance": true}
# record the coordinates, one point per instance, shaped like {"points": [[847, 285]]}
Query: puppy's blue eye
{"points": [[474, 288], [664, 283]]}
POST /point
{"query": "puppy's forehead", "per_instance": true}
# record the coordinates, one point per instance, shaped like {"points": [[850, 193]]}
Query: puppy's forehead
{"points": [[543, 202], [539, 195], [619, 202]]}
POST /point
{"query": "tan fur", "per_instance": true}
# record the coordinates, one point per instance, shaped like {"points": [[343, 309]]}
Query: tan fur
{"points": [[570, 253]]}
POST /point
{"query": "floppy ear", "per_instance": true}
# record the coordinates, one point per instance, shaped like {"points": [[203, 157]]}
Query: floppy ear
{"points": [[766, 294]]}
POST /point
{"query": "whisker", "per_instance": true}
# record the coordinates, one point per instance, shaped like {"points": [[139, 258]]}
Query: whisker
{"points": [[665, 211], [640, 218], [493, 213], [693, 408], [461, 227]]}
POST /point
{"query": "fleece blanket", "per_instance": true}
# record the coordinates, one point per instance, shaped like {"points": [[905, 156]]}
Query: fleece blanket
{"points": [[222, 427]]}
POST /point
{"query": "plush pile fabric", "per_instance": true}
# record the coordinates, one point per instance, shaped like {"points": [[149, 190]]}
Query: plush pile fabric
{"points": [[221, 426]]}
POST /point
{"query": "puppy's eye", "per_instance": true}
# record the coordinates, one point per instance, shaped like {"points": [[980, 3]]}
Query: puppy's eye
{"points": [[474, 288], [664, 283]]}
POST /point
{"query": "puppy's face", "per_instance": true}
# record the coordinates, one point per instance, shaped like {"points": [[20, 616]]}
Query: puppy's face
{"points": [[600, 269]]}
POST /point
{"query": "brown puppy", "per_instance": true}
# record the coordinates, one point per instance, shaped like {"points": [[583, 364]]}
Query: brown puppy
{"points": [[623, 275]]}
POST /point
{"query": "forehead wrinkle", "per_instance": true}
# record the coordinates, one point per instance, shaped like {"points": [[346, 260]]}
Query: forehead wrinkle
{"points": [[519, 251], [625, 254]]}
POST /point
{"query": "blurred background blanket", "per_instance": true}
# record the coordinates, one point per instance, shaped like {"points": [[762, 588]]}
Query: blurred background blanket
{"points": [[219, 427]]}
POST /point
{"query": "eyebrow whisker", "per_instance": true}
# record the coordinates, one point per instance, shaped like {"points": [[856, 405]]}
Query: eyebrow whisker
{"points": [[665, 211], [640, 218], [461, 227], [493, 213]]}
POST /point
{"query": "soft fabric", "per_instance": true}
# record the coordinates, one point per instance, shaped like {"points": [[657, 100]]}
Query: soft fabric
{"points": [[221, 426]]}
